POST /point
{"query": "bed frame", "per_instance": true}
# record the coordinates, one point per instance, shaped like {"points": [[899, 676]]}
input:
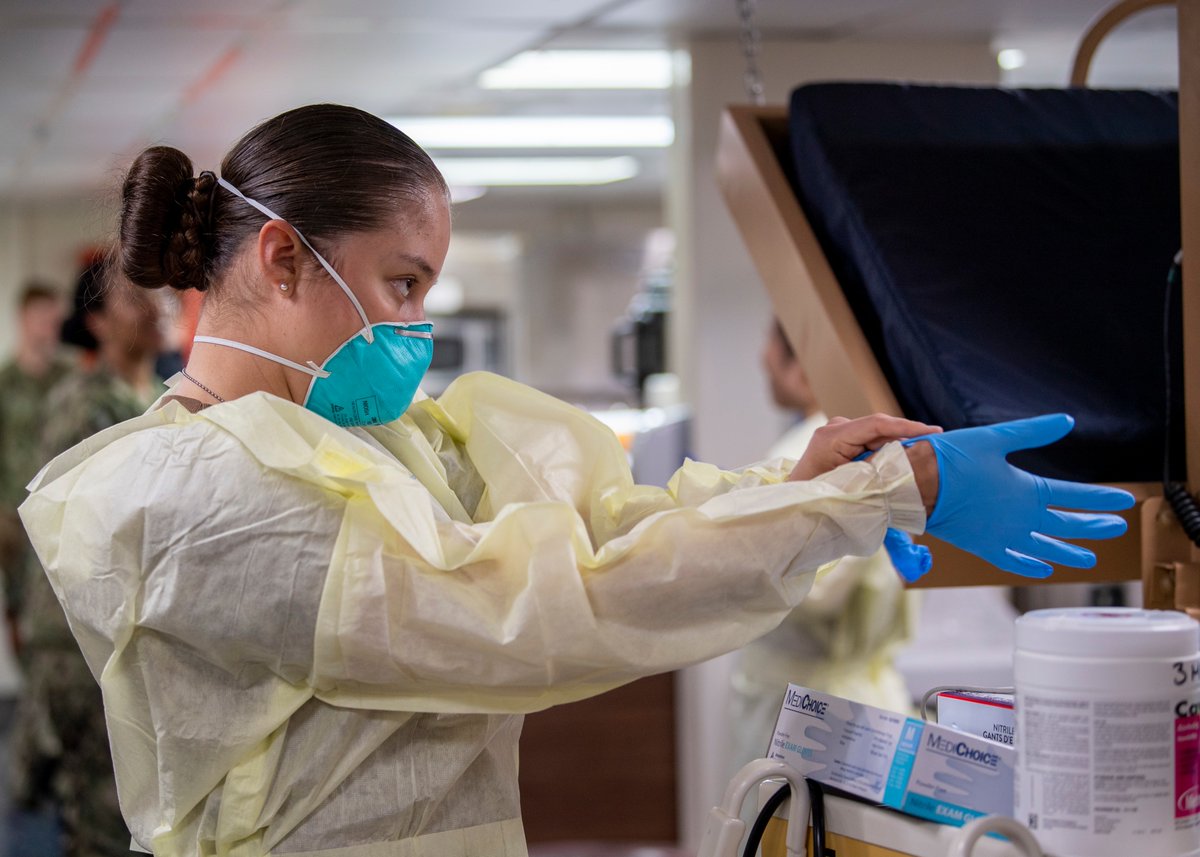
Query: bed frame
{"points": [[847, 379]]}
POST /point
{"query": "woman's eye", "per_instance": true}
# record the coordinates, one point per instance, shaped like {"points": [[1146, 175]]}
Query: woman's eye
{"points": [[405, 286]]}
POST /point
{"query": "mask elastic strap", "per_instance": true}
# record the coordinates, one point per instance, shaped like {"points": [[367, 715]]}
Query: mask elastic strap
{"points": [[311, 369], [413, 329], [367, 332]]}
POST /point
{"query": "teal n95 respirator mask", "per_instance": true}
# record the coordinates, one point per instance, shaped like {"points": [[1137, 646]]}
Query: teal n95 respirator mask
{"points": [[370, 378]]}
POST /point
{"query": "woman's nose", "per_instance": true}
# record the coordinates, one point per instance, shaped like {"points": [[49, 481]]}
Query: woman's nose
{"points": [[413, 310]]}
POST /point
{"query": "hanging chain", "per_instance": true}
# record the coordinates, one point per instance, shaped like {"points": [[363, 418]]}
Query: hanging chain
{"points": [[751, 41]]}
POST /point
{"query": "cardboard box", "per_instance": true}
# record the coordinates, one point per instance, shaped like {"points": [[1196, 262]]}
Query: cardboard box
{"points": [[987, 715], [920, 768]]}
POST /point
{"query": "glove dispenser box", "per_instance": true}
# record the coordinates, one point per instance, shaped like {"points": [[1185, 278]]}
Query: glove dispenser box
{"points": [[923, 769]]}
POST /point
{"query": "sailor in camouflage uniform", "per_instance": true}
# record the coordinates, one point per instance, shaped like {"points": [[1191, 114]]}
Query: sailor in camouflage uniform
{"points": [[61, 715], [25, 379]]}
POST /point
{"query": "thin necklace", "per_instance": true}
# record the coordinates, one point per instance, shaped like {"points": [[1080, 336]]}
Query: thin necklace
{"points": [[185, 374]]}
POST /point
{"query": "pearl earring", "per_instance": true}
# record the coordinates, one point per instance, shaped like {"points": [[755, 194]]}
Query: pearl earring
{"points": [[283, 286]]}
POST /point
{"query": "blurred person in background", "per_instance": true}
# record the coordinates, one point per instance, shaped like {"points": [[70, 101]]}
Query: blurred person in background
{"points": [[35, 367], [60, 743], [842, 638]]}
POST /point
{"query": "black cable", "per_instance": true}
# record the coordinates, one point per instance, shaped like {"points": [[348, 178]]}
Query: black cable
{"points": [[764, 817], [1186, 507], [816, 795], [1187, 510], [1172, 278]]}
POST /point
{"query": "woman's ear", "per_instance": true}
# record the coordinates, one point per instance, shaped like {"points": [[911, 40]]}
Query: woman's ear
{"points": [[96, 325], [279, 250]]}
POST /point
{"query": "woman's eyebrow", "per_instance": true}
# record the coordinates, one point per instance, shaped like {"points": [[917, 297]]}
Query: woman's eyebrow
{"points": [[420, 262]]}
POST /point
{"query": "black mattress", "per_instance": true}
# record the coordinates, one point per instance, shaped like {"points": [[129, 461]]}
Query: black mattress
{"points": [[1006, 252]]}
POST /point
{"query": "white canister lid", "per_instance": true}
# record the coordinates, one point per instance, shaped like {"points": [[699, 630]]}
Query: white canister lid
{"points": [[1108, 632]]}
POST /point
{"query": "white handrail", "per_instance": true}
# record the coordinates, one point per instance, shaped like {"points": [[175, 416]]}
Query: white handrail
{"points": [[1018, 834], [724, 829]]}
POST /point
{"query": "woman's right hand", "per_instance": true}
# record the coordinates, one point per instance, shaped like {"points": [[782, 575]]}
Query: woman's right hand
{"points": [[841, 441]]}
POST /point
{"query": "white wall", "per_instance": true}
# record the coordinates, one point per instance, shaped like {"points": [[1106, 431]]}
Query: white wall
{"points": [[43, 240], [722, 309], [580, 265]]}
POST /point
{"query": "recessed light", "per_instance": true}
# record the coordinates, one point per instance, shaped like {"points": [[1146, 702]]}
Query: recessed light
{"points": [[582, 69], [538, 132], [1010, 58], [514, 172]]}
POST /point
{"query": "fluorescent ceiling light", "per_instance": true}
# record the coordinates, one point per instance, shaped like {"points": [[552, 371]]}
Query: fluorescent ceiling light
{"points": [[1010, 58], [581, 70], [512, 172], [538, 132]]}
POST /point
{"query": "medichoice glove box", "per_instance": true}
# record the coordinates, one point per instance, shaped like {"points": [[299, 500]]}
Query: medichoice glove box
{"points": [[920, 768]]}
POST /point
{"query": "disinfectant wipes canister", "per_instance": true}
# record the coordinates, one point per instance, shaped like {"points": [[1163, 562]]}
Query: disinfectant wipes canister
{"points": [[1108, 731]]}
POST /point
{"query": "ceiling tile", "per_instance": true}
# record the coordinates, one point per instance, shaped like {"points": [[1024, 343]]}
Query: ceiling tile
{"points": [[14, 137], [365, 70], [36, 55], [48, 11], [198, 12], [24, 104], [167, 54], [122, 106], [421, 56], [543, 13], [710, 15]]}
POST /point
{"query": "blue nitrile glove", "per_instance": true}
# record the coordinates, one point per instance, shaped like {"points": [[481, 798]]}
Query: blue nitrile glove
{"points": [[1001, 513], [911, 561]]}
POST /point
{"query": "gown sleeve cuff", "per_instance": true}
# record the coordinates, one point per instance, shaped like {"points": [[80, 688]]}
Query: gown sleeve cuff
{"points": [[906, 511]]}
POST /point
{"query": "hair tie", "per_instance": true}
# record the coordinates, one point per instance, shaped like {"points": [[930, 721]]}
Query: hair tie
{"points": [[212, 197]]}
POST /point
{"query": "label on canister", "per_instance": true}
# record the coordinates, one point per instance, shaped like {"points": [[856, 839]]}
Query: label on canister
{"points": [[1109, 751]]}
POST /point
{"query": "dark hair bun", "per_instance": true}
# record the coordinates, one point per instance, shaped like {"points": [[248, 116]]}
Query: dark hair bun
{"points": [[91, 294], [166, 230]]}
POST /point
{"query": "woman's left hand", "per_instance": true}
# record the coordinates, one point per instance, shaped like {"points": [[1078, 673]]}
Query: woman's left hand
{"points": [[840, 441]]}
